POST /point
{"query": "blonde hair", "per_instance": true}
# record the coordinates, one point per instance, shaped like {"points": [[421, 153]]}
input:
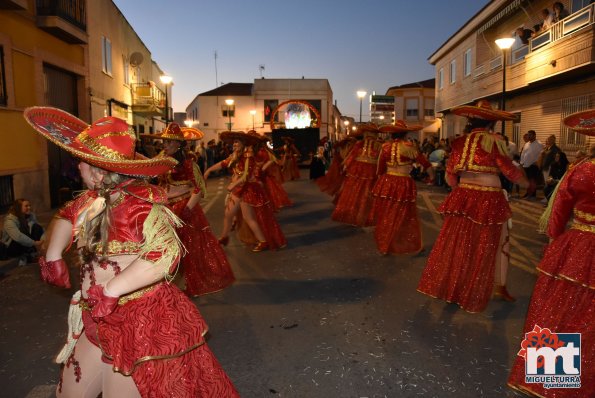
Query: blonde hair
{"points": [[95, 231]]}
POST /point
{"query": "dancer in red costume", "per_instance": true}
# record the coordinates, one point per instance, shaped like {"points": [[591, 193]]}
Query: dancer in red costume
{"points": [[270, 173], [468, 256], [355, 199], [331, 182], [131, 332], [290, 159], [205, 265], [394, 209], [246, 194], [564, 296]]}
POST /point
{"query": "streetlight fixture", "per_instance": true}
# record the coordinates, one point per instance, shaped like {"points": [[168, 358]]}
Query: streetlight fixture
{"points": [[165, 79], [188, 122], [346, 123], [504, 44], [253, 113], [361, 95], [229, 103]]}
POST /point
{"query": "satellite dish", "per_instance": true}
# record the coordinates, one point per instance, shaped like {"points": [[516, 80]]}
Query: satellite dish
{"points": [[136, 59]]}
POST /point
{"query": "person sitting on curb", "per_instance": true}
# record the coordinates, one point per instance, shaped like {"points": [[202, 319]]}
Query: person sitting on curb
{"points": [[21, 233]]}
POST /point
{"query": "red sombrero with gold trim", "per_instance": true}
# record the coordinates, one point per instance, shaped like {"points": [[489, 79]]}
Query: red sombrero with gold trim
{"points": [[483, 110], [174, 132], [582, 122], [399, 127], [108, 143], [247, 139]]}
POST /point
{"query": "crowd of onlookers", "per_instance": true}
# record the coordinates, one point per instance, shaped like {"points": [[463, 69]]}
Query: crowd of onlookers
{"points": [[547, 19]]}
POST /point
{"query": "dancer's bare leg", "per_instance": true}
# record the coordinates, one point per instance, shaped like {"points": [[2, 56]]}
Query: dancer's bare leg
{"points": [[88, 359], [501, 271], [250, 218], [231, 209]]}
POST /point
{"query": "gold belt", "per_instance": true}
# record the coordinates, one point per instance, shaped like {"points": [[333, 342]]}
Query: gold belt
{"points": [[584, 215], [480, 188], [396, 173], [366, 160], [179, 198], [84, 304], [583, 227]]}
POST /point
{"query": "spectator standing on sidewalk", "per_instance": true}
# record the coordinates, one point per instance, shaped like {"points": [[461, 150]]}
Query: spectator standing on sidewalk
{"points": [[529, 156]]}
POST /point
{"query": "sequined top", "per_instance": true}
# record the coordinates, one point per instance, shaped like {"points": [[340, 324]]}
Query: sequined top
{"points": [[399, 153], [366, 151], [481, 152], [575, 198], [128, 215], [243, 167], [186, 173]]}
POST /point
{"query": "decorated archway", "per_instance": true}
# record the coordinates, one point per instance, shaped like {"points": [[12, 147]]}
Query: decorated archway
{"points": [[306, 103]]}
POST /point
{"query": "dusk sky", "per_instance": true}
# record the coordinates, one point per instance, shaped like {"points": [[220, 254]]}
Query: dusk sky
{"points": [[355, 44]]}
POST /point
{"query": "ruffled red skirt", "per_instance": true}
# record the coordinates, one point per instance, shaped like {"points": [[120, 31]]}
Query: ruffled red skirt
{"points": [[275, 192], [394, 212], [355, 201], [254, 195], [159, 340], [205, 265], [563, 301], [331, 182], [461, 266]]}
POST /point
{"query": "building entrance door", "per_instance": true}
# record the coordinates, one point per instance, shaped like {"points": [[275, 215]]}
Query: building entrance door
{"points": [[60, 92]]}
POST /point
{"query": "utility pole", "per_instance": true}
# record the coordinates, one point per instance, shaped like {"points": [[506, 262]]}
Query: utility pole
{"points": [[216, 76]]}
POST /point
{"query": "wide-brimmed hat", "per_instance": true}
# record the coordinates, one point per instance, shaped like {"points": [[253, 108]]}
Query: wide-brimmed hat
{"points": [[108, 143], [262, 138], [399, 127], [365, 128], [482, 110], [174, 132], [247, 139], [582, 122]]}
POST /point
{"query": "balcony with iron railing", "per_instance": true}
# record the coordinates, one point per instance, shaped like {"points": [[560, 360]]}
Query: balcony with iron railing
{"points": [[65, 19], [148, 99]]}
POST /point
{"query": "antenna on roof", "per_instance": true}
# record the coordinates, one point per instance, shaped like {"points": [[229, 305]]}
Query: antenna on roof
{"points": [[261, 69], [216, 77]]}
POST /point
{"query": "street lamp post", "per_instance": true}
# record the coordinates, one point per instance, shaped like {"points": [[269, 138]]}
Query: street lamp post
{"points": [[346, 123], [253, 112], [229, 103], [165, 79], [504, 45], [361, 95]]}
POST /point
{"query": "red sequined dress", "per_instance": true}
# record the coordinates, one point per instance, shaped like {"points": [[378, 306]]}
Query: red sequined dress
{"points": [[251, 192], [205, 265], [563, 299], [461, 266], [355, 200], [394, 209], [155, 334], [290, 167], [272, 180]]}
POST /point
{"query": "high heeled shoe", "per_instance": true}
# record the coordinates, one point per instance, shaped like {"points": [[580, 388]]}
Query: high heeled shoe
{"points": [[224, 240], [501, 293], [260, 246]]}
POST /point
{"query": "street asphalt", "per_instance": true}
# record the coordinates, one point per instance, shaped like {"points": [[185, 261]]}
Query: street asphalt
{"points": [[325, 317]]}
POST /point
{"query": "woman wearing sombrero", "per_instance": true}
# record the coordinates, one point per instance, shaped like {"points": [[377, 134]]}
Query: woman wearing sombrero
{"points": [[469, 254], [131, 332], [270, 173], [564, 295], [205, 265], [290, 158], [247, 200], [355, 200], [394, 208]]}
